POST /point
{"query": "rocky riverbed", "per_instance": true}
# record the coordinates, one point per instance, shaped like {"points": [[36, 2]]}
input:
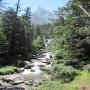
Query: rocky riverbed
{"points": [[30, 75]]}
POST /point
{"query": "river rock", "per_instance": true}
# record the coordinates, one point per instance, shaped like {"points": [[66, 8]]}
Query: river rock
{"points": [[24, 86], [32, 70], [7, 80], [36, 83], [18, 82], [27, 67], [21, 69], [14, 79], [26, 62], [4, 84], [29, 82], [1, 82]]}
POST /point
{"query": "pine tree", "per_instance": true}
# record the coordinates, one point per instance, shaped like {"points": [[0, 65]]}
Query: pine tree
{"points": [[13, 29], [73, 42], [28, 39]]}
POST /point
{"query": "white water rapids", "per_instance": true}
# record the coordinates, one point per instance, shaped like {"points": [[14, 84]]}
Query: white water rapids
{"points": [[35, 70]]}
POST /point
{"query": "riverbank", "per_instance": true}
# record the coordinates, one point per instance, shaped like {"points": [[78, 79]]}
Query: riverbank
{"points": [[38, 77], [8, 70], [31, 75], [81, 82]]}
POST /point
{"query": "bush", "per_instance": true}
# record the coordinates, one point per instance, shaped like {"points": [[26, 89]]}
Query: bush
{"points": [[38, 43], [50, 85], [63, 73], [46, 70], [74, 63], [87, 67], [20, 63], [58, 56], [54, 85]]}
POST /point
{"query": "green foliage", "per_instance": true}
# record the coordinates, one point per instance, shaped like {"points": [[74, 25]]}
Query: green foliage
{"points": [[87, 67], [76, 46], [50, 85], [63, 73], [38, 43], [72, 39], [14, 32], [20, 63], [55, 85], [58, 56], [2, 39], [4, 45], [7, 70], [15, 37], [28, 34], [84, 76], [46, 70], [47, 29]]}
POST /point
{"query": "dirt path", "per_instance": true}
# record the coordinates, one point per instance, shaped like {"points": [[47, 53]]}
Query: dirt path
{"points": [[84, 86]]}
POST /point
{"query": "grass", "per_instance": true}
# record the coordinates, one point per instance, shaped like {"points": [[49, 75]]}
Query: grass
{"points": [[55, 85], [83, 77], [46, 70], [7, 70]]}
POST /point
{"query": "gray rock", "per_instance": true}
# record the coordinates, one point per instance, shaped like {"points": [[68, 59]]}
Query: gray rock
{"points": [[4, 84], [21, 70], [27, 67], [29, 82], [18, 82], [26, 62], [36, 83], [7, 80]]}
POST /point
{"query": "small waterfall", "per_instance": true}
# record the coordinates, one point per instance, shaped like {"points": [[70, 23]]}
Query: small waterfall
{"points": [[45, 43]]}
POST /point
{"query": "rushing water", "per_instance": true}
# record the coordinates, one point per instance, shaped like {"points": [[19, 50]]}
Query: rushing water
{"points": [[33, 72]]}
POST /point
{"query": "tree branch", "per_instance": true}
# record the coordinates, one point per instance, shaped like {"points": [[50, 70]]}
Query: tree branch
{"points": [[84, 10]]}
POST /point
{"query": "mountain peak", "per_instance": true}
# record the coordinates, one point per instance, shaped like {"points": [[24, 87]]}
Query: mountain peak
{"points": [[41, 10], [42, 16]]}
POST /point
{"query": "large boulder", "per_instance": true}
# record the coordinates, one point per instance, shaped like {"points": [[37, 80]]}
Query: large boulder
{"points": [[28, 65], [21, 69]]}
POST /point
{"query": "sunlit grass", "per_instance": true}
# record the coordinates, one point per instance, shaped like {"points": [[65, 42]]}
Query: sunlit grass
{"points": [[7, 70], [55, 85], [83, 77]]}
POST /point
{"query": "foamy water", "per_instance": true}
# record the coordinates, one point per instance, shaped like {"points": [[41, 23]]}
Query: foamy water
{"points": [[36, 69], [26, 71]]}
